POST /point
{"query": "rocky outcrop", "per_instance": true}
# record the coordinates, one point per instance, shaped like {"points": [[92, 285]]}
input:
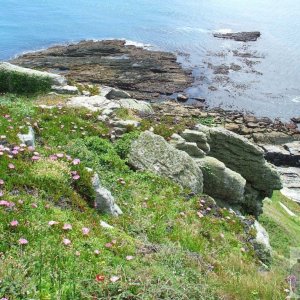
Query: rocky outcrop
{"points": [[197, 137], [101, 103], [290, 177], [244, 158], [239, 36], [28, 138], [152, 153], [55, 79], [104, 201], [283, 155], [65, 89], [190, 148], [220, 182], [144, 74]]}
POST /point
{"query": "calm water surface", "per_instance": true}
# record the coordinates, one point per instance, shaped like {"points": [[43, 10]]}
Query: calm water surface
{"points": [[267, 84]]}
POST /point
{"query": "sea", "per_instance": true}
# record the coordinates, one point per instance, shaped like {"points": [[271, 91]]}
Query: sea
{"points": [[261, 77]]}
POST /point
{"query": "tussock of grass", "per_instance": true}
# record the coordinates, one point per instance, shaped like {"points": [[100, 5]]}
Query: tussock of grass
{"points": [[18, 83]]}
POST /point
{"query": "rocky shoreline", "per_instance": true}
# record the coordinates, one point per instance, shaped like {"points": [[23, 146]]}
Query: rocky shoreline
{"points": [[143, 73], [150, 75]]}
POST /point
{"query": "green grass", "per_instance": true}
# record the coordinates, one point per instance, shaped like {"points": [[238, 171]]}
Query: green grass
{"points": [[18, 83], [176, 254], [284, 229]]}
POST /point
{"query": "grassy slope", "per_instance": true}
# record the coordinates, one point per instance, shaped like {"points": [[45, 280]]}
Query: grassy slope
{"points": [[176, 254]]}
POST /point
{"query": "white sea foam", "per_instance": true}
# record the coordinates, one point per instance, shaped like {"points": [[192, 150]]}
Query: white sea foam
{"points": [[223, 30], [296, 100]]}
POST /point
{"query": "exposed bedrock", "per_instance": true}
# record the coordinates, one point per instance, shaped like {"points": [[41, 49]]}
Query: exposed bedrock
{"points": [[144, 74]]}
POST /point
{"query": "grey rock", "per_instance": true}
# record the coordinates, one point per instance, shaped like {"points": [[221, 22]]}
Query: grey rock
{"points": [[182, 97], [115, 94], [104, 201], [220, 182], [274, 137], [152, 153], [190, 148], [28, 138], [287, 154], [94, 103], [65, 89], [139, 106], [290, 177], [245, 158], [197, 137], [55, 79], [239, 36], [125, 123], [261, 243]]}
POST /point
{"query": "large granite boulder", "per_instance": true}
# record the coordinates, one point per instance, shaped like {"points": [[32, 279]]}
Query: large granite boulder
{"points": [[220, 182], [245, 158], [55, 79], [152, 153]]}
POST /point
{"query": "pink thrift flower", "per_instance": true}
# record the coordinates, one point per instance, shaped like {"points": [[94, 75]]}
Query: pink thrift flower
{"points": [[114, 278], [97, 252], [52, 223], [15, 152], [76, 161], [85, 231], [67, 227], [35, 158], [14, 223], [108, 245], [66, 242], [20, 201], [31, 148], [11, 166], [23, 241], [4, 203], [77, 253], [1, 181], [34, 205], [76, 177], [53, 157], [60, 155], [129, 257], [1, 194]]}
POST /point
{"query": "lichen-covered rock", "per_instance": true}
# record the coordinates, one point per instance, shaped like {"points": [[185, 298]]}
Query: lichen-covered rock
{"points": [[65, 89], [133, 104], [28, 138], [94, 103], [197, 137], [245, 158], [104, 201], [115, 94], [190, 148], [261, 243], [220, 182], [55, 79], [151, 152]]}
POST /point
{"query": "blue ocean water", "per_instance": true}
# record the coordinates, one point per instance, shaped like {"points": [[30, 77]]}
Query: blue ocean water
{"points": [[184, 26]]}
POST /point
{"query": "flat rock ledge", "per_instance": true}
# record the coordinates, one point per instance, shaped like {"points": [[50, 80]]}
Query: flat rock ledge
{"points": [[144, 74], [239, 36]]}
